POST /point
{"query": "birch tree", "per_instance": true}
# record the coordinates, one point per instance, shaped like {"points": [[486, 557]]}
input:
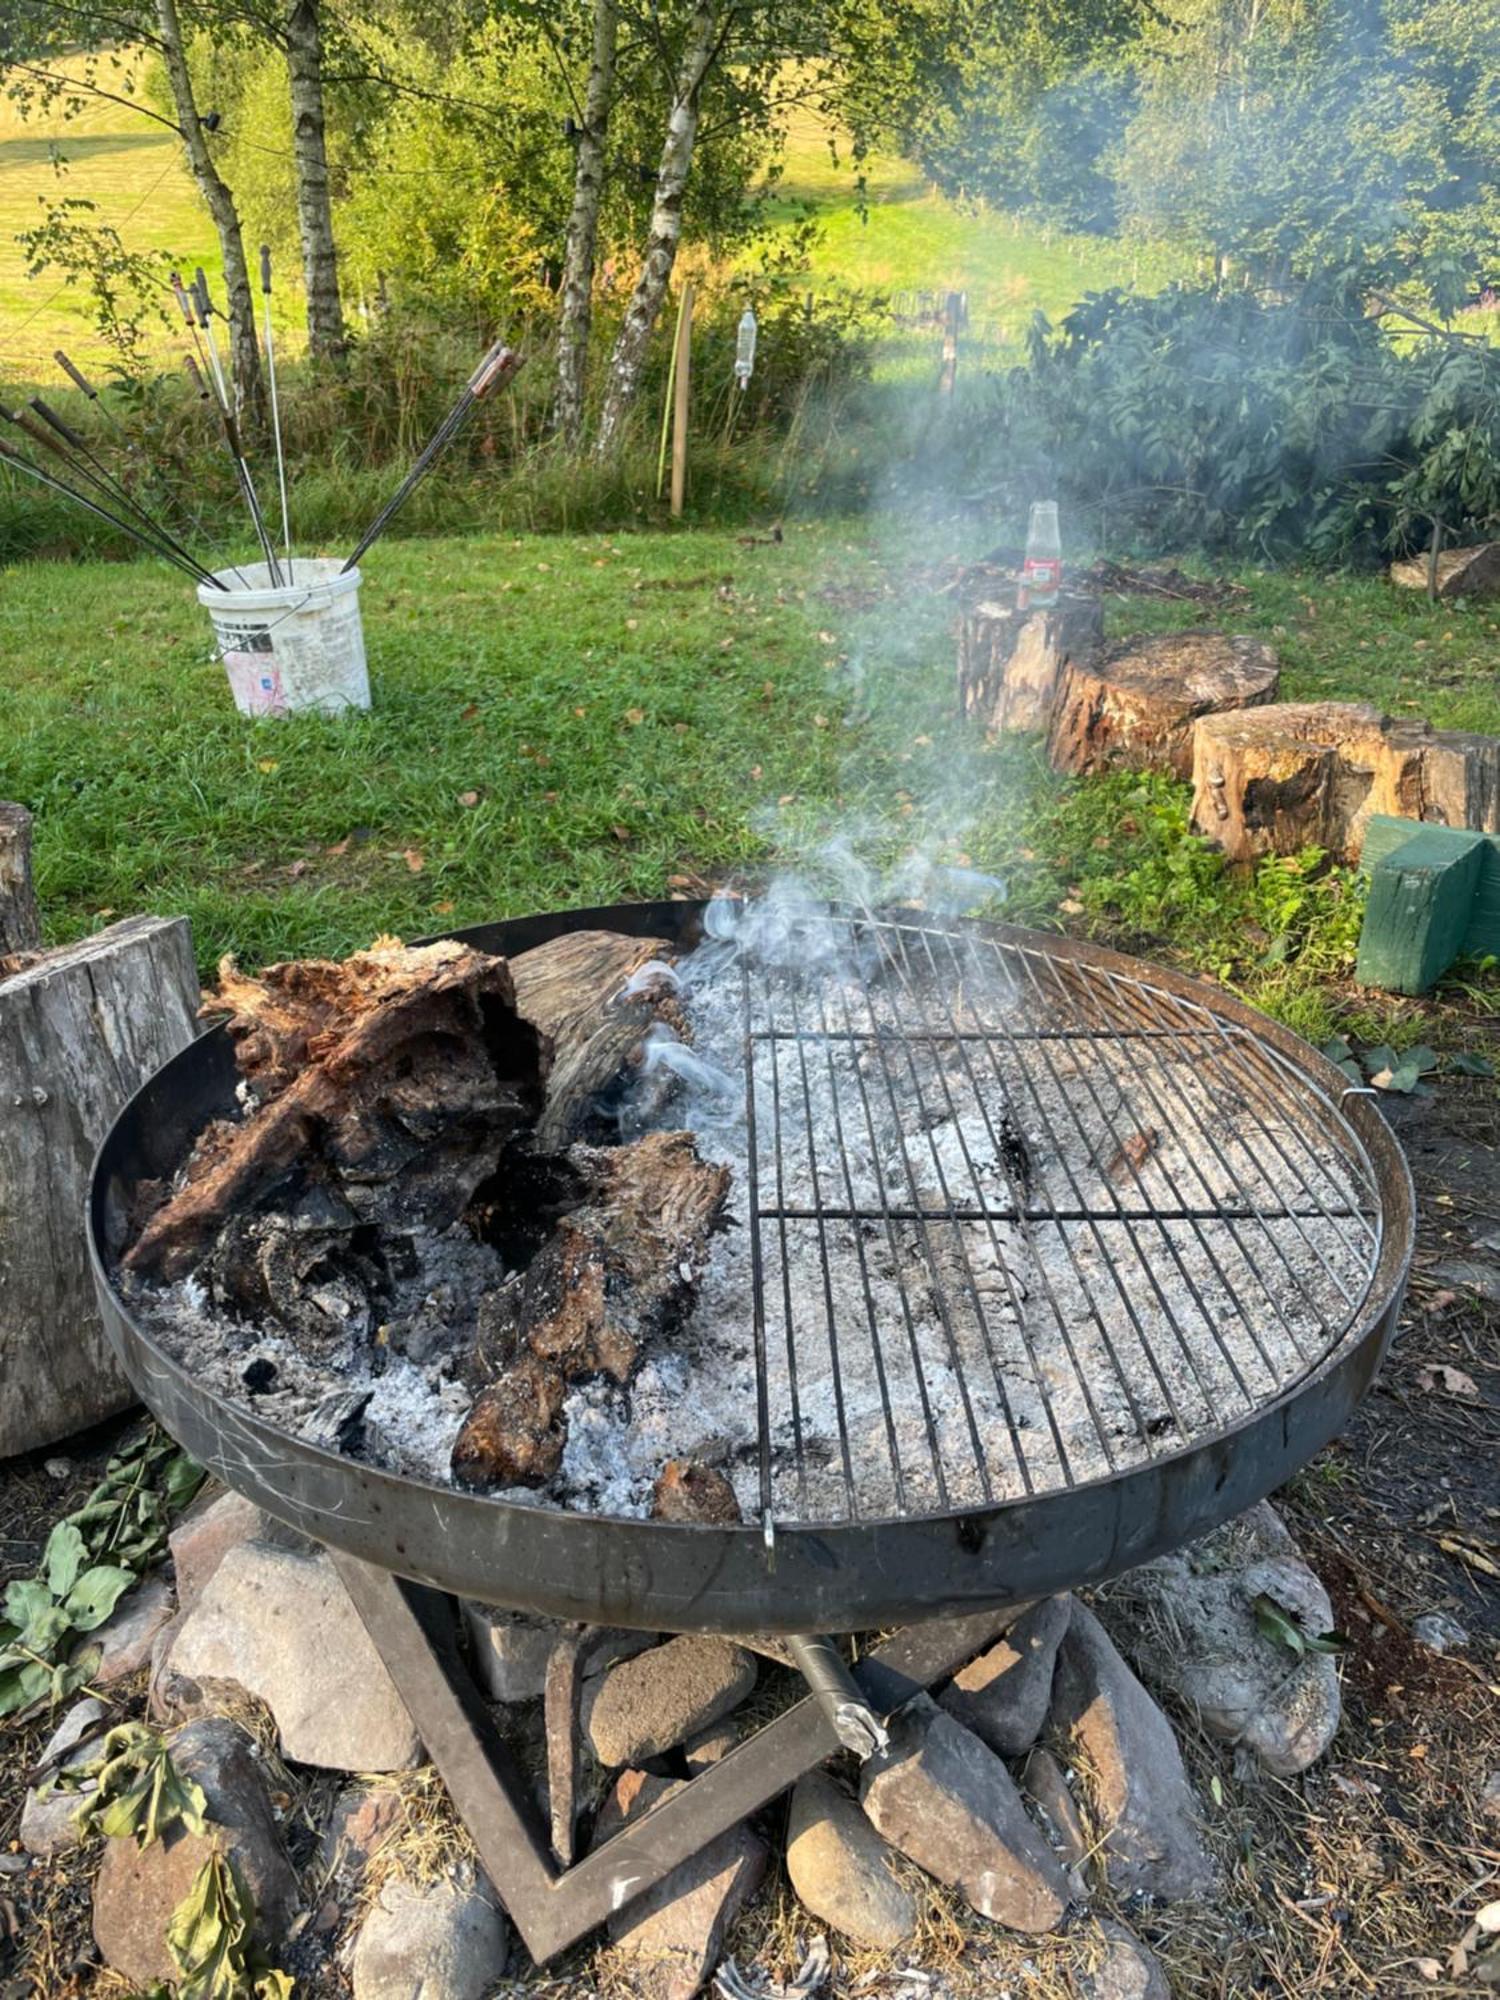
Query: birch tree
{"points": [[302, 38], [583, 224]]}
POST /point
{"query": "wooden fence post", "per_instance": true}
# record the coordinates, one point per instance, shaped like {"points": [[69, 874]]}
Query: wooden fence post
{"points": [[20, 926], [951, 311]]}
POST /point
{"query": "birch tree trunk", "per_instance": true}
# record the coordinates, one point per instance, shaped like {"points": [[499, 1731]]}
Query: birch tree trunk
{"points": [[583, 225], [628, 360], [243, 345], [326, 335]]}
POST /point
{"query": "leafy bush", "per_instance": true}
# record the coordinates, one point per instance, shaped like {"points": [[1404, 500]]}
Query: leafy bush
{"points": [[1230, 422]]}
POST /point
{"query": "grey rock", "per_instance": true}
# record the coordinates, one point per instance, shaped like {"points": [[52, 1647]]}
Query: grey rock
{"points": [[442, 1940], [1045, 1783], [1489, 1796], [842, 1870], [1188, 1623], [1439, 1632], [668, 1941], [212, 1526], [1119, 1967], [47, 1817], [1003, 1695], [1138, 1787], [126, 1637], [510, 1651], [711, 1745], [358, 1826], [948, 1803], [657, 1700], [138, 1888], [1474, 1274], [281, 1625]]}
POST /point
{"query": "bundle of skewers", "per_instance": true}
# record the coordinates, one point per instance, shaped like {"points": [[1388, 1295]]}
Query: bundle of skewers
{"points": [[79, 467]]}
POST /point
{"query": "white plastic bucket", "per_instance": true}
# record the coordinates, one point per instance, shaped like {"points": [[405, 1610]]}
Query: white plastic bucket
{"points": [[294, 648]]}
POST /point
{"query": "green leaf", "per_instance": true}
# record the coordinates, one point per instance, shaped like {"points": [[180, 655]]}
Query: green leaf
{"points": [[1421, 1057], [1327, 1642], [1382, 1056], [181, 1480], [1337, 1049], [1273, 1623], [96, 1594], [25, 1601], [23, 1684], [1464, 1063], [63, 1558]]}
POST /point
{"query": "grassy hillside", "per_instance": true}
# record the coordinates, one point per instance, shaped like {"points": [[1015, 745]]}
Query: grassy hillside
{"points": [[132, 171]]}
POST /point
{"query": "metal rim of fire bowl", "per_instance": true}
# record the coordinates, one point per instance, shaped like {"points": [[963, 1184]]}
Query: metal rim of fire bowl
{"points": [[665, 1576]]}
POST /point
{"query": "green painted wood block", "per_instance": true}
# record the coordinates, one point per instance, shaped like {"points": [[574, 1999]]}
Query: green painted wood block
{"points": [[1420, 909], [1386, 833]]}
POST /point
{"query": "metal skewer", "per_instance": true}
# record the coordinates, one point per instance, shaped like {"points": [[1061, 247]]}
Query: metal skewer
{"points": [[231, 429], [14, 460], [497, 366], [87, 465], [81, 381], [286, 522]]}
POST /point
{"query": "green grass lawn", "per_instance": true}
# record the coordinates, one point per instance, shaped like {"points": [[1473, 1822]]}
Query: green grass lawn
{"points": [[568, 719]]}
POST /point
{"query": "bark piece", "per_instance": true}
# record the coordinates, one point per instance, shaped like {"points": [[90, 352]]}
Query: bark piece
{"points": [[1290, 775], [945, 1800], [687, 1491], [20, 922], [80, 1030], [1134, 708], [615, 1271], [387, 1086], [1125, 1748], [1460, 572], [1011, 662], [571, 989]]}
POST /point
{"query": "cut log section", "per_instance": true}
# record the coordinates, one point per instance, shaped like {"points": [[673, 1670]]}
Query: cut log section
{"points": [[80, 1029], [1011, 662], [20, 923], [1446, 777], [617, 1270], [1295, 774], [1134, 707], [1459, 572]]}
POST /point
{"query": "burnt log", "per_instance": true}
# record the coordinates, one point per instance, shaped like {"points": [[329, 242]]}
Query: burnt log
{"points": [[81, 1028], [1011, 661], [384, 1089], [20, 921], [1134, 706], [572, 989], [688, 1491], [617, 1270]]}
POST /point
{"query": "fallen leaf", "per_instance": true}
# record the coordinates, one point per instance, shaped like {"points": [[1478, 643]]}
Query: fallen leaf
{"points": [[1440, 1301], [1134, 1152], [413, 859], [468, 798], [620, 832], [445, 908], [1451, 1381], [468, 714], [635, 717], [829, 638], [632, 624], [338, 846], [820, 722], [1071, 907], [1488, 1919], [266, 764], [298, 868]]}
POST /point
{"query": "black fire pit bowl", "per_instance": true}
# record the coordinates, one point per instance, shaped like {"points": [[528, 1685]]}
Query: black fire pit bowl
{"points": [[855, 1575]]}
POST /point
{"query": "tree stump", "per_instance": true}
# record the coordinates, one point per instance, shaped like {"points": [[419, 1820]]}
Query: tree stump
{"points": [[1011, 661], [1135, 706], [1447, 777], [80, 1030], [1291, 775], [1460, 572], [20, 925]]}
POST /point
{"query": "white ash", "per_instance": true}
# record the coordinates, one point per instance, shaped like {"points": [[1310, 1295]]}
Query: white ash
{"points": [[923, 1348]]}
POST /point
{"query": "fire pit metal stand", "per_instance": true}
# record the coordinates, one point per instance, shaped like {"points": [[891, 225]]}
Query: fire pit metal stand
{"points": [[553, 1900]]}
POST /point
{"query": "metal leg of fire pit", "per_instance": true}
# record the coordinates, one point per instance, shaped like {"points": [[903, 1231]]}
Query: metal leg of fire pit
{"points": [[415, 1630]]}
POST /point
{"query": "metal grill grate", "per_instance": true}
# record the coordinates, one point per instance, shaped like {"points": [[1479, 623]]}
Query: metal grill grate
{"points": [[1018, 1221]]}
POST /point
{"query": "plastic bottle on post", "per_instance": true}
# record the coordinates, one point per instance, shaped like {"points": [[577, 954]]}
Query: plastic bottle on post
{"points": [[744, 359], [1041, 573]]}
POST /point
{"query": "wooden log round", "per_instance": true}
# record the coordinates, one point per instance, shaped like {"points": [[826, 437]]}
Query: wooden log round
{"points": [[1010, 661], [1134, 707], [20, 922], [80, 1030], [1276, 779], [1447, 777]]}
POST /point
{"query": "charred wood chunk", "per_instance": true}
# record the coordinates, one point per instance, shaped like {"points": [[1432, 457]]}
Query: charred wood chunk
{"points": [[615, 1273], [594, 996], [393, 1080], [687, 1491], [514, 1435]]}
